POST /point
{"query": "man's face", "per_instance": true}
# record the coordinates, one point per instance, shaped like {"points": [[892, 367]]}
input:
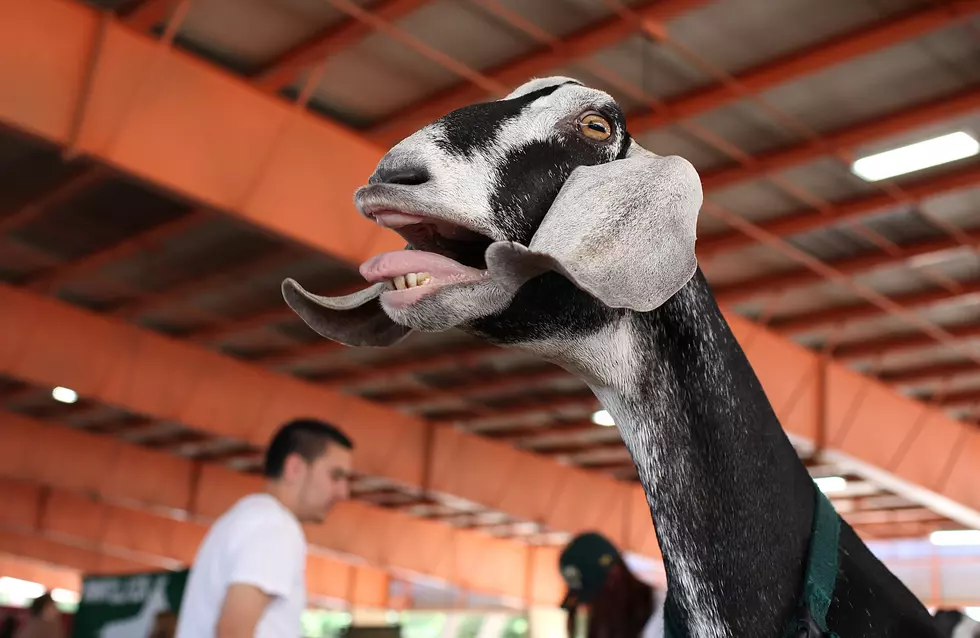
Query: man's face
{"points": [[324, 482]]}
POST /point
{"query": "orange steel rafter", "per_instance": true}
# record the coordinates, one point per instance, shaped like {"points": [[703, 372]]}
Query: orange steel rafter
{"points": [[155, 539], [305, 198], [152, 503], [842, 211], [797, 277], [854, 312], [131, 150], [126, 366], [51, 279], [290, 64], [578, 45], [47, 342], [37, 571], [937, 372], [835, 51], [187, 126], [64, 553], [849, 137]]}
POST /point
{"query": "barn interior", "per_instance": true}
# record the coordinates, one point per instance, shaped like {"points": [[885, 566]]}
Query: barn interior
{"points": [[165, 164]]}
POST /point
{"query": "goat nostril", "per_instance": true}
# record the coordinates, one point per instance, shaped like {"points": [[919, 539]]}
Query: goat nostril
{"points": [[413, 176]]}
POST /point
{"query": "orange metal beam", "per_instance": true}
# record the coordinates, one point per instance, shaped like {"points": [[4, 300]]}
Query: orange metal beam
{"points": [[38, 571], [63, 553], [796, 277], [849, 137], [154, 540], [792, 67], [910, 448], [149, 503], [48, 343], [582, 44], [928, 373], [347, 34], [855, 312], [835, 213], [872, 347], [174, 120], [835, 51]]}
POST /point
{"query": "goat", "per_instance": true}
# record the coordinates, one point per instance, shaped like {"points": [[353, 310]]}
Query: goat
{"points": [[537, 222], [955, 624]]}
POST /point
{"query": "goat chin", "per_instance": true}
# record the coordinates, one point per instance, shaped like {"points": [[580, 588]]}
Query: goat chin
{"points": [[451, 306]]}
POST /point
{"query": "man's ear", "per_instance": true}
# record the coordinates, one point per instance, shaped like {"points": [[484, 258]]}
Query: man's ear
{"points": [[294, 468]]}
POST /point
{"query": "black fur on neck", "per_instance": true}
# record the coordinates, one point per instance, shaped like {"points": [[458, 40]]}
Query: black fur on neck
{"points": [[731, 500]]}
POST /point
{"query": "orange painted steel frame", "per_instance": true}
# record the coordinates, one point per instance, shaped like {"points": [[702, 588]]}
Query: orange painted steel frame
{"points": [[89, 84]]}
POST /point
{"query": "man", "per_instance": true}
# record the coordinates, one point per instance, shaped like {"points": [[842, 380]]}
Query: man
{"points": [[604, 597], [248, 579]]}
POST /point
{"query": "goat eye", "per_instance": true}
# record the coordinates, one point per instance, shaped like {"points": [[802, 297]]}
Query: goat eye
{"points": [[595, 126]]}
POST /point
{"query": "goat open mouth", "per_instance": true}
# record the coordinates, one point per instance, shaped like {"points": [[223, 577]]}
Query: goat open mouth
{"points": [[440, 254]]}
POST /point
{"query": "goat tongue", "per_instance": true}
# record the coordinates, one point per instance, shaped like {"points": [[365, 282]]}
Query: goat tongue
{"points": [[356, 319], [389, 265]]}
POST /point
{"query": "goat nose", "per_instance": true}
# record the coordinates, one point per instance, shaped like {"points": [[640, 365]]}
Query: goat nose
{"points": [[404, 175]]}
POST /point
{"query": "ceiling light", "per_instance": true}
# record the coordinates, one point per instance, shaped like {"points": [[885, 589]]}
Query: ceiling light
{"points": [[831, 484], [64, 395], [915, 157], [20, 590], [602, 417], [66, 596], [955, 537]]}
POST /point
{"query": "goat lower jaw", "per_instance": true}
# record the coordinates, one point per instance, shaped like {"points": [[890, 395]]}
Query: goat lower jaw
{"points": [[404, 295]]}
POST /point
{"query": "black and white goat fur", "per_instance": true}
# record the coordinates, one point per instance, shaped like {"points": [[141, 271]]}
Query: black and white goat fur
{"points": [[545, 227]]}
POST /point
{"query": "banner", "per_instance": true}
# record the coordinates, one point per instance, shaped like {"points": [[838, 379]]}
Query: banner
{"points": [[127, 606]]}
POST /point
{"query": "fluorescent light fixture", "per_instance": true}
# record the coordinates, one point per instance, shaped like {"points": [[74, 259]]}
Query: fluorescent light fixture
{"points": [[64, 395], [66, 596], [831, 484], [602, 417], [915, 157], [955, 537], [21, 590]]}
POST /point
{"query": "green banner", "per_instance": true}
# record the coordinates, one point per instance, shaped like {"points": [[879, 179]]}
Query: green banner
{"points": [[126, 606]]}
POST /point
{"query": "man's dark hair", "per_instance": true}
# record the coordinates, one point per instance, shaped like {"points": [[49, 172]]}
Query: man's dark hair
{"points": [[306, 437]]}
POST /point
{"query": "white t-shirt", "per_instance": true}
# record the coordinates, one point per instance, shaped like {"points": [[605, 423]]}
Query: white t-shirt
{"points": [[257, 542]]}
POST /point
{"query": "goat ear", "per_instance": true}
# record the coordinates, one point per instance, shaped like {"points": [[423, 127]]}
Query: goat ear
{"points": [[354, 320], [623, 231]]}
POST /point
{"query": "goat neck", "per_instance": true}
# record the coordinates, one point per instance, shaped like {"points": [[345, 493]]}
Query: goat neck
{"points": [[730, 499]]}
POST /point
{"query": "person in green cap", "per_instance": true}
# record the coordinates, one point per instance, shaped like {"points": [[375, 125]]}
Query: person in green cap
{"points": [[605, 599]]}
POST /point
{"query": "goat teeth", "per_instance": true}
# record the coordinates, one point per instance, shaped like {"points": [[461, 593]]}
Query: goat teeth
{"points": [[411, 280]]}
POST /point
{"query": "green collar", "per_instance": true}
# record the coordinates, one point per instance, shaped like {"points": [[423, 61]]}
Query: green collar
{"points": [[819, 580]]}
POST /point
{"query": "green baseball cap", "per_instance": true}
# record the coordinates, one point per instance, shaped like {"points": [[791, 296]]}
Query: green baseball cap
{"points": [[584, 564]]}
